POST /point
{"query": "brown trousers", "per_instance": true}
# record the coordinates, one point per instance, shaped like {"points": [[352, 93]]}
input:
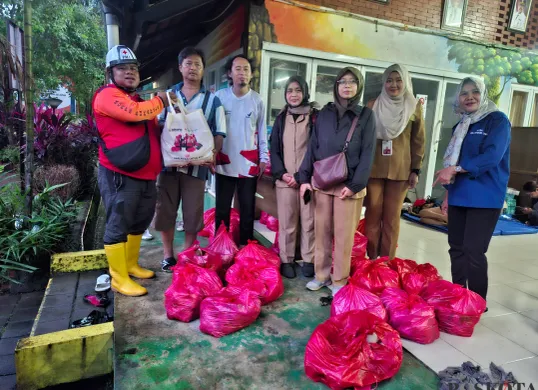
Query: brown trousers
{"points": [[383, 208], [335, 219], [291, 211]]}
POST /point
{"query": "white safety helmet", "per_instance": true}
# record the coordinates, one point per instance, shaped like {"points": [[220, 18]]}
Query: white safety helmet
{"points": [[120, 54]]}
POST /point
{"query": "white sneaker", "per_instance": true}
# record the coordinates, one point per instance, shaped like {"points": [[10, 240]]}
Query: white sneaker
{"points": [[180, 227], [147, 236], [335, 289], [315, 285]]}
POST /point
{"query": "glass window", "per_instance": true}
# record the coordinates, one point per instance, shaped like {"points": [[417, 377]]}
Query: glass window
{"points": [[325, 79], [428, 91], [534, 119], [448, 121], [517, 108], [280, 72], [373, 83]]}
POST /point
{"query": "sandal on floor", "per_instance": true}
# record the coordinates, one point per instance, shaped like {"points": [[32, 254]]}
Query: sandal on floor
{"points": [[91, 319], [96, 300], [103, 283]]}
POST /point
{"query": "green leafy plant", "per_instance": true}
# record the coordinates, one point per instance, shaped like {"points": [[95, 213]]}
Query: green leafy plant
{"points": [[492, 63], [48, 175], [10, 154], [25, 240]]}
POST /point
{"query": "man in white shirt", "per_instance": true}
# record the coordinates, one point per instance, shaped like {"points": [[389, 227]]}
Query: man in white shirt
{"points": [[244, 151]]}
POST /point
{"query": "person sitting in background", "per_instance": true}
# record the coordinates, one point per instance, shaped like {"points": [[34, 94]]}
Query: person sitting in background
{"points": [[526, 201], [289, 142]]}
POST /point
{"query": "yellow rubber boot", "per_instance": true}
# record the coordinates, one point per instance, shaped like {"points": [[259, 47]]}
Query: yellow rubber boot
{"points": [[133, 250], [121, 282]]}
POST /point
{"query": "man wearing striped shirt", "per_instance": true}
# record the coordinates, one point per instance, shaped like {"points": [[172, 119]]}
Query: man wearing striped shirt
{"points": [[187, 185]]}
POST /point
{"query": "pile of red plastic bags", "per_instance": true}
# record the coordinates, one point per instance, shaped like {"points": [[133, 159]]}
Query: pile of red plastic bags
{"points": [[385, 300], [223, 286]]}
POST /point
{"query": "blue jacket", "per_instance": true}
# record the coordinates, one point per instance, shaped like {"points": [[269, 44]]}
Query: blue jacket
{"points": [[485, 154]]}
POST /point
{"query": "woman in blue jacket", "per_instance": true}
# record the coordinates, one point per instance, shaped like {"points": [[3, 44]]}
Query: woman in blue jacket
{"points": [[477, 167]]}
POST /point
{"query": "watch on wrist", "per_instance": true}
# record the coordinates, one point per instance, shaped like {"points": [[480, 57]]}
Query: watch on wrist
{"points": [[457, 169], [417, 171]]}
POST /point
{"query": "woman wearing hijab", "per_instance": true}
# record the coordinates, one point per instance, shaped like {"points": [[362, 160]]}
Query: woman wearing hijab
{"points": [[337, 209], [289, 142], [398, 158], [476, 171]]}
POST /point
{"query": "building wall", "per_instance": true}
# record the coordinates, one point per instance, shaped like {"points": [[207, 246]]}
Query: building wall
{"points": [[486, 20]]}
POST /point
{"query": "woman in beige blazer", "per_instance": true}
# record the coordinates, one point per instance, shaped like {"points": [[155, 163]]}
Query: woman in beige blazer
{"points": [[398, 158]]}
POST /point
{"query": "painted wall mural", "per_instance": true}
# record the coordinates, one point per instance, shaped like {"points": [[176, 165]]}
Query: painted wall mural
{"points": [[226, 38], [496, 65], [324, 31]]}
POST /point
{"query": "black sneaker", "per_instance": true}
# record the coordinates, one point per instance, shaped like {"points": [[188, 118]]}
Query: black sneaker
{"points": [[167, 264], [287, 270], [308, 270]]}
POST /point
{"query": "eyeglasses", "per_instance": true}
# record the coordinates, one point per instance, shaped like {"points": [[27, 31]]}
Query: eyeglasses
{"points": [[125, 68], [347, 82], [191, 65]]}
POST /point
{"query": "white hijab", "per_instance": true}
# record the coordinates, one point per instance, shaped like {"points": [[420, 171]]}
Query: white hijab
{"points": [[452, 154], [393, 113]]}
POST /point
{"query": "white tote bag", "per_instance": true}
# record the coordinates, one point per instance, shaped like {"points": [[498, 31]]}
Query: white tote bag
{"points": [[186, 138]]}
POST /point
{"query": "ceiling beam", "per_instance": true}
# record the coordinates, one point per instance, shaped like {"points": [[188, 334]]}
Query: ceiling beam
{"points": [[167, 9]]}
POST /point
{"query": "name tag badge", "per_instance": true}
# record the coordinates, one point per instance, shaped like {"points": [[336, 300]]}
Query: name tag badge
{"points": [[386, 148]]}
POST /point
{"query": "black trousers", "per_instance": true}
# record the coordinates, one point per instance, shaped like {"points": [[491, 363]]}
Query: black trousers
{"points": [[469, 234], [246, 192], [129, 204]]}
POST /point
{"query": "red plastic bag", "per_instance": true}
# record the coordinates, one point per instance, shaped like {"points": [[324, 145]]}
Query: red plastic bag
{"points": [[440, 292], [224, 246], [209, 224], [362, 226], [267, 170], [263, 218], [458, 309], [256, 252], [374, 276], [343, 352], [228, 311], [429, 272], [351, 297], [360, 243], [272, 223], [263, 279], [411, 316], [197, 256], [414, 283], [275, 247], [402, 266], [190, 285]]}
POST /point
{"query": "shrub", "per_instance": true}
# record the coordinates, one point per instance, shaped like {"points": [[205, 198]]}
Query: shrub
{"points": [[25, 240], [61, 140], [50, 175], [10, 154]]}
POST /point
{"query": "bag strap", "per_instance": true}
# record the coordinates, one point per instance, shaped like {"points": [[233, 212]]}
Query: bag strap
{"points": [[350, 133], [206, 101], [179, 102], [103, 145]]}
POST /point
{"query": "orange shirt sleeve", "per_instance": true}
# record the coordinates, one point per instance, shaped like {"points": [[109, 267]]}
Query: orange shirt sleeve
{"points": [[114, 103]]}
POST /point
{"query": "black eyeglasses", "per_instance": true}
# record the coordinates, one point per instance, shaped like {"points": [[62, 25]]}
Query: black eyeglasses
{"points": [[347, 82]]}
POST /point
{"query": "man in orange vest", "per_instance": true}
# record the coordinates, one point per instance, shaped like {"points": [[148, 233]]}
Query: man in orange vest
{"points": [[129, 162]]}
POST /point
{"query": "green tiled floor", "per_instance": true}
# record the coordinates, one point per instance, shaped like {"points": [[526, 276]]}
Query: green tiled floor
{"points": [[153, 352]]}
